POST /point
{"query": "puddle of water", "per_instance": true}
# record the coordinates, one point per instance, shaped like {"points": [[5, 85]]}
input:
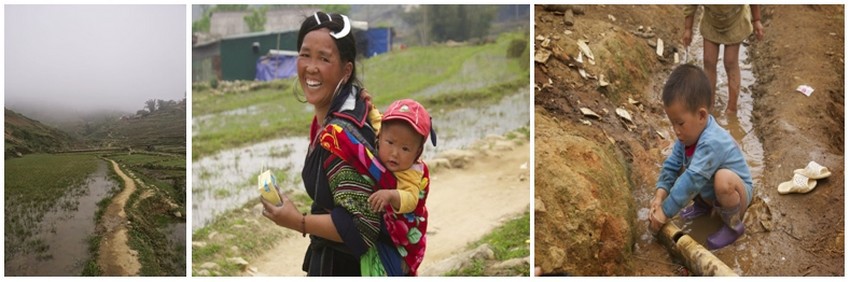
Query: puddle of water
{"points": [[197, 121], [66, 231], [459, 128], [227, 180]]}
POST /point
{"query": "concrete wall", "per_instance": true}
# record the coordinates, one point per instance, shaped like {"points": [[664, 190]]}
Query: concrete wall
{"points": [[223, 24]]}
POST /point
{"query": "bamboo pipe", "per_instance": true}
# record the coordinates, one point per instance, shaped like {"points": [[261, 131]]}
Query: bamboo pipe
{"points": [[699, 260]]}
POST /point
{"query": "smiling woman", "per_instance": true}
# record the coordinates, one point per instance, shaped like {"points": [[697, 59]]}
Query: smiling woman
{"points": [[344, 232]]}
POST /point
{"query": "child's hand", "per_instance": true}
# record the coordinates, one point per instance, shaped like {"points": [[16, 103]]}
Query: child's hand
{"points": [[656, 219], [379, 199], [660, 195]]}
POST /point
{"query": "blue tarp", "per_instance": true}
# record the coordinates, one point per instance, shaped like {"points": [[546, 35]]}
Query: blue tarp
{"points": [[380, 41], [271, 67]]}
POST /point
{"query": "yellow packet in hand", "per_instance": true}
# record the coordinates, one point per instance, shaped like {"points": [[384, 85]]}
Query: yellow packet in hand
{"points": [[267, 184]]}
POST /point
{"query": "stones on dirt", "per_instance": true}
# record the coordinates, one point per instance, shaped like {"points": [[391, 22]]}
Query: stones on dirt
{"points": [[507, 267], [209, 265], [569, 19], [634, 102], [612, 18], [457, 158], [542, 56], [589, 113], [203, 272], [582, 46], [585, 122], [557, 9], [438, 163], [539, 206], [651, 43], [602, 82], [659, 48], [461, 261], [238, 261], [624, 114], [545, 43]]}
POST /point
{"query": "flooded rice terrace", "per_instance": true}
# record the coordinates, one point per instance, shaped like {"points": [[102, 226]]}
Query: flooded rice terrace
{"points": [[741, 127], [227, 179], [65, 230]]}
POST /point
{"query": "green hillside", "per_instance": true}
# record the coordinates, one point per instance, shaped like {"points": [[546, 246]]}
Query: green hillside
{"points": [[162, 130], [25, 135]]}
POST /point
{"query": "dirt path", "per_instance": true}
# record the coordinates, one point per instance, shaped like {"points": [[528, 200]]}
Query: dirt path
{"points": [[115, 256], [802, 234], [464, 205]]}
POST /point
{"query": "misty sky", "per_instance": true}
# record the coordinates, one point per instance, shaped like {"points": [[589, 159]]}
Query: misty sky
{"points": [[91, 57]]}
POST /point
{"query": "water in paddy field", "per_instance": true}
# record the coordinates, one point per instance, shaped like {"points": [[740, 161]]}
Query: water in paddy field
{"points": [[228, 179], [66, 229]]}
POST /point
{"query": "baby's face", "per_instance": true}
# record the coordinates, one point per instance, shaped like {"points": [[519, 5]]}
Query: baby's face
{"points": [[688, 125], [398, 146]]}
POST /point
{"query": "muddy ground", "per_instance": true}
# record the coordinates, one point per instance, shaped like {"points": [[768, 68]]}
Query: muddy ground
{"points": [[594, 177]]}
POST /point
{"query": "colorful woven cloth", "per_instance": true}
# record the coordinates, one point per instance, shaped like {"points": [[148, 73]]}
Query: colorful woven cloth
{"points": [[406, 230]]}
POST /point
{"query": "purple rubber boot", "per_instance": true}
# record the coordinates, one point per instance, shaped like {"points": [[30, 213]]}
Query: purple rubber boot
{"points": [[699, 208], [731, 230]]}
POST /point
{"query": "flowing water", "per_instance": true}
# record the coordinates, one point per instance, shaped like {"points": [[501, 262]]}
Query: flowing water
{"points": [[228, 179], [66, 230], [740, 126]]}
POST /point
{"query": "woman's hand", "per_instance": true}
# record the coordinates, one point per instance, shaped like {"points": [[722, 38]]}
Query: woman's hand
{"points": [[688, 36], [286, 215]]}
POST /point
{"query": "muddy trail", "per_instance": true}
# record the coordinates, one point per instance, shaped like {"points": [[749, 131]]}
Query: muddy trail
{"points": [[595, 173], [116, 258], [483, 188]]}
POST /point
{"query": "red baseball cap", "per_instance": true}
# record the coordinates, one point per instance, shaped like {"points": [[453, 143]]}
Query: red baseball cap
{"points": [[414, 114]]}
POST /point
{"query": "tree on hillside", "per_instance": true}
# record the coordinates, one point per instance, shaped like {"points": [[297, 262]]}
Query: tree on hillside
{"points": [[256, 21], [439, 23], [151, 105], [163, 105], [203, 24]]}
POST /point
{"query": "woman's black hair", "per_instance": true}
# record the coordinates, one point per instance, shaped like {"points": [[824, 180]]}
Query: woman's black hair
{"points": [[346, 45]]}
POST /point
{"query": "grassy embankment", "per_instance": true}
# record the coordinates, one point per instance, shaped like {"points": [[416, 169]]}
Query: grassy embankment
{"points": [[440, 77], [240, 233], [508, 241], [157, 206]]}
